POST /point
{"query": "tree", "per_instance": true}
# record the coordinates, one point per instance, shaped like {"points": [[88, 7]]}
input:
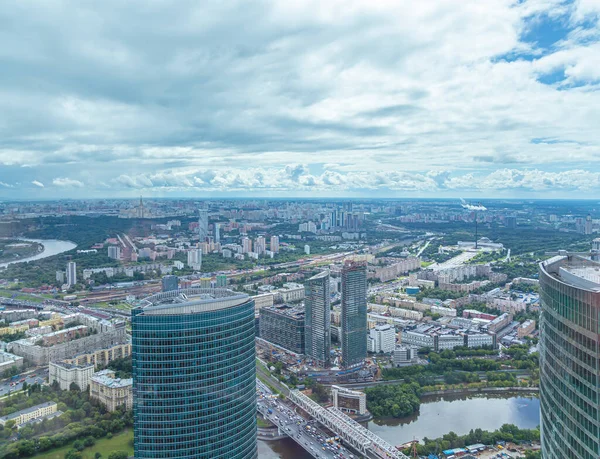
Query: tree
{"points": [[97, 455], [73, 454], [118, 455], [25, 385], [74, 387], [78, 445]]}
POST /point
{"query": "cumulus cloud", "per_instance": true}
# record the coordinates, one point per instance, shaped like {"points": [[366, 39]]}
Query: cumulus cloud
{"points": [[37, 183], [425, 97], [67, 182]]}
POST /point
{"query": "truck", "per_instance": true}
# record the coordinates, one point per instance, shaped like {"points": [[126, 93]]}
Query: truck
{"points": [[270, 411]]}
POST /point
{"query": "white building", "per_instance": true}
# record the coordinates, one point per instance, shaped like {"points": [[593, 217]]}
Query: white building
{"points": [[217, 232], [66, 374], [71, 273], [274, 246], [246, 245], [418, 339], [307, 249], [114, 252], [382, 338], [260, 245], [404, 355], [194, 259], [479, 340], [450, 342], [442, 311]]}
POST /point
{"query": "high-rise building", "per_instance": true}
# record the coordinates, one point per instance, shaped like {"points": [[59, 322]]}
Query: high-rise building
{"points": [[194, 259], [71, 273], [114, 252], [170, 283], [246, 245], [317, 307], [260, 245], [274, 245], [194, 375], [307, 249], [202, 224], [217, 232], [570, 358], [382, 338], [354, 313], [510, 221]]}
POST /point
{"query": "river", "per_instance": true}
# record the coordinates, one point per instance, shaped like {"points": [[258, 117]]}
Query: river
{"points": [[437, 416], [51, 247]]}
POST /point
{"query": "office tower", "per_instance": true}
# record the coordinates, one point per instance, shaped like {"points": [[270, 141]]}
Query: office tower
{"points": [[194, 375], [354, 313], [202, 224], [260, 245], [317, 318], [170, 283], [71, 273], [114, 252], [217, 232], [194, 259], [569, 358], [588, 225], [274, 245]]}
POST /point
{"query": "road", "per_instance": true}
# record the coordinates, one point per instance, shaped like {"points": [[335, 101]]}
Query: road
{"points": [[306, 433], [41, 375]]}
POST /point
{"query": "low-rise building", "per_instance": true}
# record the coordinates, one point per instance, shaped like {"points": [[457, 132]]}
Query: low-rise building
{"points": [[382, 338], [404, 355], [263, 300], [102, 357], [65, 374], [35, 412], [8, 361], [110, 391], [500, 322], [349, 401], [526, 329]]}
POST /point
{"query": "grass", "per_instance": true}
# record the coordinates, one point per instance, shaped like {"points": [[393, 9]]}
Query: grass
{"points": [[262, 422], [105, 446]]}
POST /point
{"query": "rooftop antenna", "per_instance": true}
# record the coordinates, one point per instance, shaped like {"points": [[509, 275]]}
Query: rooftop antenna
{"points": [[474, 208]]}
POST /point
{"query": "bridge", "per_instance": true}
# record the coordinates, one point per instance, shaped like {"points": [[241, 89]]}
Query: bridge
{"points": [[355, 435]]}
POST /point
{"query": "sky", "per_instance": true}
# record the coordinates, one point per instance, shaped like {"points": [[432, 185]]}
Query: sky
{"points": [[364, 98]]}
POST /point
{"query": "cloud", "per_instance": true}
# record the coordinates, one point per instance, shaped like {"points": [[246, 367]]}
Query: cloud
{"points": [[286, 97], [36, 183], [67, 182], [6, 185]]}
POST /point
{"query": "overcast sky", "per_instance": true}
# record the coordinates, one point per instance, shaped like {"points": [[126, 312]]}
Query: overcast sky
{"points": [[490, 98]]}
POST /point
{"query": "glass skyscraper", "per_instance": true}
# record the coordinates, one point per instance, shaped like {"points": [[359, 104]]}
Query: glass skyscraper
{"points": [[354, 313], [194, 375], [569, 358], [317, 318]]}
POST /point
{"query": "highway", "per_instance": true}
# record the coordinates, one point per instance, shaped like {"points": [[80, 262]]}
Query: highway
{"points": [[306, 433]]}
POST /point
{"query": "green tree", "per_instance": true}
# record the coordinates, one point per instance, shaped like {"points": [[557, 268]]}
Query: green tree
{"points": [[118, 455]]}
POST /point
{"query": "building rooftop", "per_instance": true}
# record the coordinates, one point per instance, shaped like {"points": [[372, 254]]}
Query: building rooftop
{"points": [[574, 270], [286, 310], [71, 366], [107, 378], [191, 301]]}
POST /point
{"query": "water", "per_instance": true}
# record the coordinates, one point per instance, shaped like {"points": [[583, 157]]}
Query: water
{"points": [[51, 247], [437, 416]]}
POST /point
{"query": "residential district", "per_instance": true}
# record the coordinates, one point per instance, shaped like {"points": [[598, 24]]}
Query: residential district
{"points": [[139, 320]]}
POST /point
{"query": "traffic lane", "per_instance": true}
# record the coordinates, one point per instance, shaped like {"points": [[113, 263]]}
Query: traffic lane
{"points": [[288, 422], [301, 436]]}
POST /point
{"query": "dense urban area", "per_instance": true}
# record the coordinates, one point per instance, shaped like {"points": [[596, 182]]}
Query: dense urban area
{"points": [[361, 311]]}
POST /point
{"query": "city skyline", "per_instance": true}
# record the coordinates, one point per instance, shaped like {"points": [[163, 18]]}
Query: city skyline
{"points": [[292, 103]]}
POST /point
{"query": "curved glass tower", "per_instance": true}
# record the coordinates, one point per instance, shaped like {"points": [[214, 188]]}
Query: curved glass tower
{"points": [[194, 375], [569, 358]]}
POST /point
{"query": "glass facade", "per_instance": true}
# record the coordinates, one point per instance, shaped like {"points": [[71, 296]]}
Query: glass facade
{"points": [[569, 358], [194, 376], [317, 318], [354, 313]]}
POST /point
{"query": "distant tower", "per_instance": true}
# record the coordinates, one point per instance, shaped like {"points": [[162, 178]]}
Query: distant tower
{"points": [[217, 232], [354, 313], [71, 273], [140, 209], [203, 224]]}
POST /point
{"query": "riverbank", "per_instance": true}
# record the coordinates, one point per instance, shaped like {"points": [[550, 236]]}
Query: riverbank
{"points": [[50, 247], [476, 390]]}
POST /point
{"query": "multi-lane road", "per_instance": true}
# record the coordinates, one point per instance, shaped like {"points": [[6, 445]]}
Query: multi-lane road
{"points": [[306, 433]]}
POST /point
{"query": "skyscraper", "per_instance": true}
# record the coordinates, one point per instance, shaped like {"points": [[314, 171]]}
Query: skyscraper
{"points": [[569, 358], [217, 232], [318, 318], [202, 224], [194, 375], [354, 313], [71, 273]]}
